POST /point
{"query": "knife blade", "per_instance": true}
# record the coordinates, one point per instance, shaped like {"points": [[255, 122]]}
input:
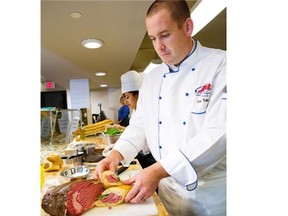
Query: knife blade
{"points": [[121, 170]]}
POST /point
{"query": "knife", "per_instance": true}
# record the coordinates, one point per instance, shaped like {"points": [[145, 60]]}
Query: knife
{"points": [[121, 170]]}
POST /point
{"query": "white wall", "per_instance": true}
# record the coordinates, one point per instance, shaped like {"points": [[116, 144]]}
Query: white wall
{"points": [[108, 97], [110, 100], [80, 96]]}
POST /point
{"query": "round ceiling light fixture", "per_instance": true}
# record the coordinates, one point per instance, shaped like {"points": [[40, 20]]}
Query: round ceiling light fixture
{"points": [[100, 73], [92, 43], [76, 15], [103, 85]]}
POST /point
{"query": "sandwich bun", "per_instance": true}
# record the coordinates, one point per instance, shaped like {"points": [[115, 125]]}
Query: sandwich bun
{"points": [[113, 196], [110, 179]]}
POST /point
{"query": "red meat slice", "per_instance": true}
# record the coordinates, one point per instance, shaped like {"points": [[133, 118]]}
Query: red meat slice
{"points": [[111, 198], [72, 198], [112, 178]]}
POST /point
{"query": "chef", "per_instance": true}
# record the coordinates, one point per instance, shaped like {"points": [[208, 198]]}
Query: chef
{"points": [[131, 82], [181, 112]]}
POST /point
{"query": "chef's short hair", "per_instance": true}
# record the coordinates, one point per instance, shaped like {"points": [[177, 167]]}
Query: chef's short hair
{"points": [[179, 9]]}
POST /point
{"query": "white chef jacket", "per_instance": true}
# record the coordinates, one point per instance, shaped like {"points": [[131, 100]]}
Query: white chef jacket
{"points": [[145, 150], [182, 115]]}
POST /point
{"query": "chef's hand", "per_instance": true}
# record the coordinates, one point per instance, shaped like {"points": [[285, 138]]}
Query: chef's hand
{"points": [[108, 163], [145, 183]]}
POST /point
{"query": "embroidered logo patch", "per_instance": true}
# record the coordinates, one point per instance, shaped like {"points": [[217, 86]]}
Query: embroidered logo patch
{"points": [[202, 94], [205, 89]]}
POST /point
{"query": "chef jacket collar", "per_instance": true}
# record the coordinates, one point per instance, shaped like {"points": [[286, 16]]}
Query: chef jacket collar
{"points": [[174, 68]]}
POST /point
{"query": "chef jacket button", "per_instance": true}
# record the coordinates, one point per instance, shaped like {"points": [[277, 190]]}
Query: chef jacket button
{"points": [[184, 123], [160, 147], [193, 69], [160, 97], [187, 94], [164, 75], [160, 122]]}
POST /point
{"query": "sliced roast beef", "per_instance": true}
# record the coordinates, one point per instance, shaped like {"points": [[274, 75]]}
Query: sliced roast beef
{"points": [[111, 198], [112, 178], [72, 198]]}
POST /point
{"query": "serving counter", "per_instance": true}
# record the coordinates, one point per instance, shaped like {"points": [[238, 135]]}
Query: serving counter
{"points": [[54, 178]]}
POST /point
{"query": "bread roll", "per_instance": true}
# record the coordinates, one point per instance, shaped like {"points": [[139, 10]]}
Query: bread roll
{"points": [[51, 166], [113, 196]]}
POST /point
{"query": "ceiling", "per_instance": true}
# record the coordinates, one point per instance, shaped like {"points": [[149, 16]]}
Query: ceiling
{"points": [[120, 24]]}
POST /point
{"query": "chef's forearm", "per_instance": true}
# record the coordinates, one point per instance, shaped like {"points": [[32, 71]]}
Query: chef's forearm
{"points": [[116, 155], [159, 171]]}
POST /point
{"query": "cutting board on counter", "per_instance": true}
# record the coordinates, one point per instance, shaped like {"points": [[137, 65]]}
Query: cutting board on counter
{"points": [[126, 209]]}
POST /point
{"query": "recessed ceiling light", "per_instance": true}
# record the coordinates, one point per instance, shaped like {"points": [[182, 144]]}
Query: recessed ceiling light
{"points": [[103, 85], [100, 73], [92, 43], [76, 15]]}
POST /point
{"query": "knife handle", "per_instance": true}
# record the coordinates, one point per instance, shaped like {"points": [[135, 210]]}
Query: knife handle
{"points": [[120, 170], [132, 162]]}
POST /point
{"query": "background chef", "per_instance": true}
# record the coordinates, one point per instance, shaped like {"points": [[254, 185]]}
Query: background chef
{"points": [[131, 82]]}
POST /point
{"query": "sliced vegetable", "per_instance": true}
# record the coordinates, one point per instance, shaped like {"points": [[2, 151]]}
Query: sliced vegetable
{"points": [[102, 196], [113, 131]]}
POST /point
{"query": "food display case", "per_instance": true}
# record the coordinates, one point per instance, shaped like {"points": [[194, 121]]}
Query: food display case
{"points": [[57, 125]]}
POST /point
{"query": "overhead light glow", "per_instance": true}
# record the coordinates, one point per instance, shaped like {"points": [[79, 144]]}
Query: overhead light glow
{"points": [[205, 11], [153, 64], [100, 73], [92, 43], [103, 85], [76, 15]]}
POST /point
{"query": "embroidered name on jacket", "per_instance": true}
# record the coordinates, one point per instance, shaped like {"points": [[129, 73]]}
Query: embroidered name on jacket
{"points": [[202, 94]]}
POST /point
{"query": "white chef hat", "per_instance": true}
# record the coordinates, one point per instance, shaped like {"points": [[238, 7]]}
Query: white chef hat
{"points": [[131, 81]]}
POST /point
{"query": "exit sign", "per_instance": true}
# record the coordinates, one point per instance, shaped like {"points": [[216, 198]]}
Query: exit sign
{"points": [[49, 85]]}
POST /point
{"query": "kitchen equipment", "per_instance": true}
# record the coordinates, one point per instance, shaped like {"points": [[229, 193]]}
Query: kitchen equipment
{"points": [[113, 138], [121, 169], [110, 139], [79, 172], [90, 154], [72, 158], [76, 146], [112, 133]]}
